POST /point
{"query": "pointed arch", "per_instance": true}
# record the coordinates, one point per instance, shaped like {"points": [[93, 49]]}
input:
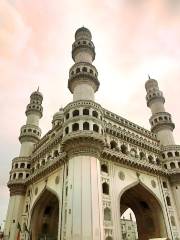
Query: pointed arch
{"points": [[147, 208], [44, 215]]}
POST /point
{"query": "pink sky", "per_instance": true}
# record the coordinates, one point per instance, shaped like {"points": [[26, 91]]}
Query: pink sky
{"points": [[133, 38]]}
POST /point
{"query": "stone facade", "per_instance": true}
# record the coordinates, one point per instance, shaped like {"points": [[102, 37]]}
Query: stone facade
{"points": [[79, 178], [129, 229]]}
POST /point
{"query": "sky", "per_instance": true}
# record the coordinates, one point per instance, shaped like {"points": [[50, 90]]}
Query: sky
{"points": [[133, 38]]}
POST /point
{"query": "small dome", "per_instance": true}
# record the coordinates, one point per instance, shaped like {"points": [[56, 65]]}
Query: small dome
{"points": [[58, 115], [150, 83], [82, 33], [36, 93]]}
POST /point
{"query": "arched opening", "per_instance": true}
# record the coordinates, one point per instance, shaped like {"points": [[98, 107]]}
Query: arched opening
{"points": [[75, 113], [85, 111], [104, 168], [75, 127], [95, 128], [113, 145], [124, 149], [85, 126], [95, 114], [84, 69], [177, 154], [105, 188], [168, 201], [170, 154], [147, 210], [67, 130], [107, 214], [172, 165], [150, 158], [45, 217], [128, 225], [22, 165]]}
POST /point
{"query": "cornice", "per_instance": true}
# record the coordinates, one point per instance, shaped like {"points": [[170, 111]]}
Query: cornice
{"points": [[119, 157]]}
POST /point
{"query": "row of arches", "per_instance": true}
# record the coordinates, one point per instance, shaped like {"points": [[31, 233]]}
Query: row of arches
{"points": [[172, 165], [83, 42], [146, 207], [85, 126], [21, 175], [84, 70], [171, 154], [30, 130], [85, 112], [159, 119], [21, 165], [133, 152], [155, 94], [130, 124]]}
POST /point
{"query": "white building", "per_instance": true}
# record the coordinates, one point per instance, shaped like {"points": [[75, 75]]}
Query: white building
{"points": [[75, 182], [129, 229]]}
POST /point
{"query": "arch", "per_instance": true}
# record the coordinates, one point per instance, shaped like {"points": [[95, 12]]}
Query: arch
{"points": [[104, 168], [168, 201], [77, 70], [105, 188], [141, 155], [169, 154], [67, 130], [84, 69], [179, 164], [56, 153], [147, 208], [85, 111], [75, 127], [45, 215], [113, 144], [85, 126], [177, 154], [150, 158], [165, 166], [164, 184], [22, 165], [75, 113], [107, 214], [95, 128], [158, 162], [172, 165], [20, 176], [95, 114], [124, 149]]}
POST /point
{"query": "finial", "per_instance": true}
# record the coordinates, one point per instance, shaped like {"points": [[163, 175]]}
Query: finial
{"points": [[149, 77], [38, 89]]}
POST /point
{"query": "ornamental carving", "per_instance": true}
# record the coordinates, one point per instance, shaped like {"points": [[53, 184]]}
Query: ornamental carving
{"points": [[121, 175]]}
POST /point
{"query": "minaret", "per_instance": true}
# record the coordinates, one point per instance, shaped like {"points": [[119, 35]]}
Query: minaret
{"points": [[83, 81], [83, 141], [161, 122], [29, 135]]}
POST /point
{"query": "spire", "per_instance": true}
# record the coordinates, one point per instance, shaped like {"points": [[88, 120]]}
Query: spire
{"points": [[83, 81]]}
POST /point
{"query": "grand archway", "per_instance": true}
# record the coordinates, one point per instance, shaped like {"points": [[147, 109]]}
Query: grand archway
{"points": [[147, 210], [45, 217]]}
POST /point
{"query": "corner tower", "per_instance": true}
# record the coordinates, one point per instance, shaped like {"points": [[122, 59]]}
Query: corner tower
{"points": [[83, 142], [21, 166], [161, 121], [83, 76]]}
